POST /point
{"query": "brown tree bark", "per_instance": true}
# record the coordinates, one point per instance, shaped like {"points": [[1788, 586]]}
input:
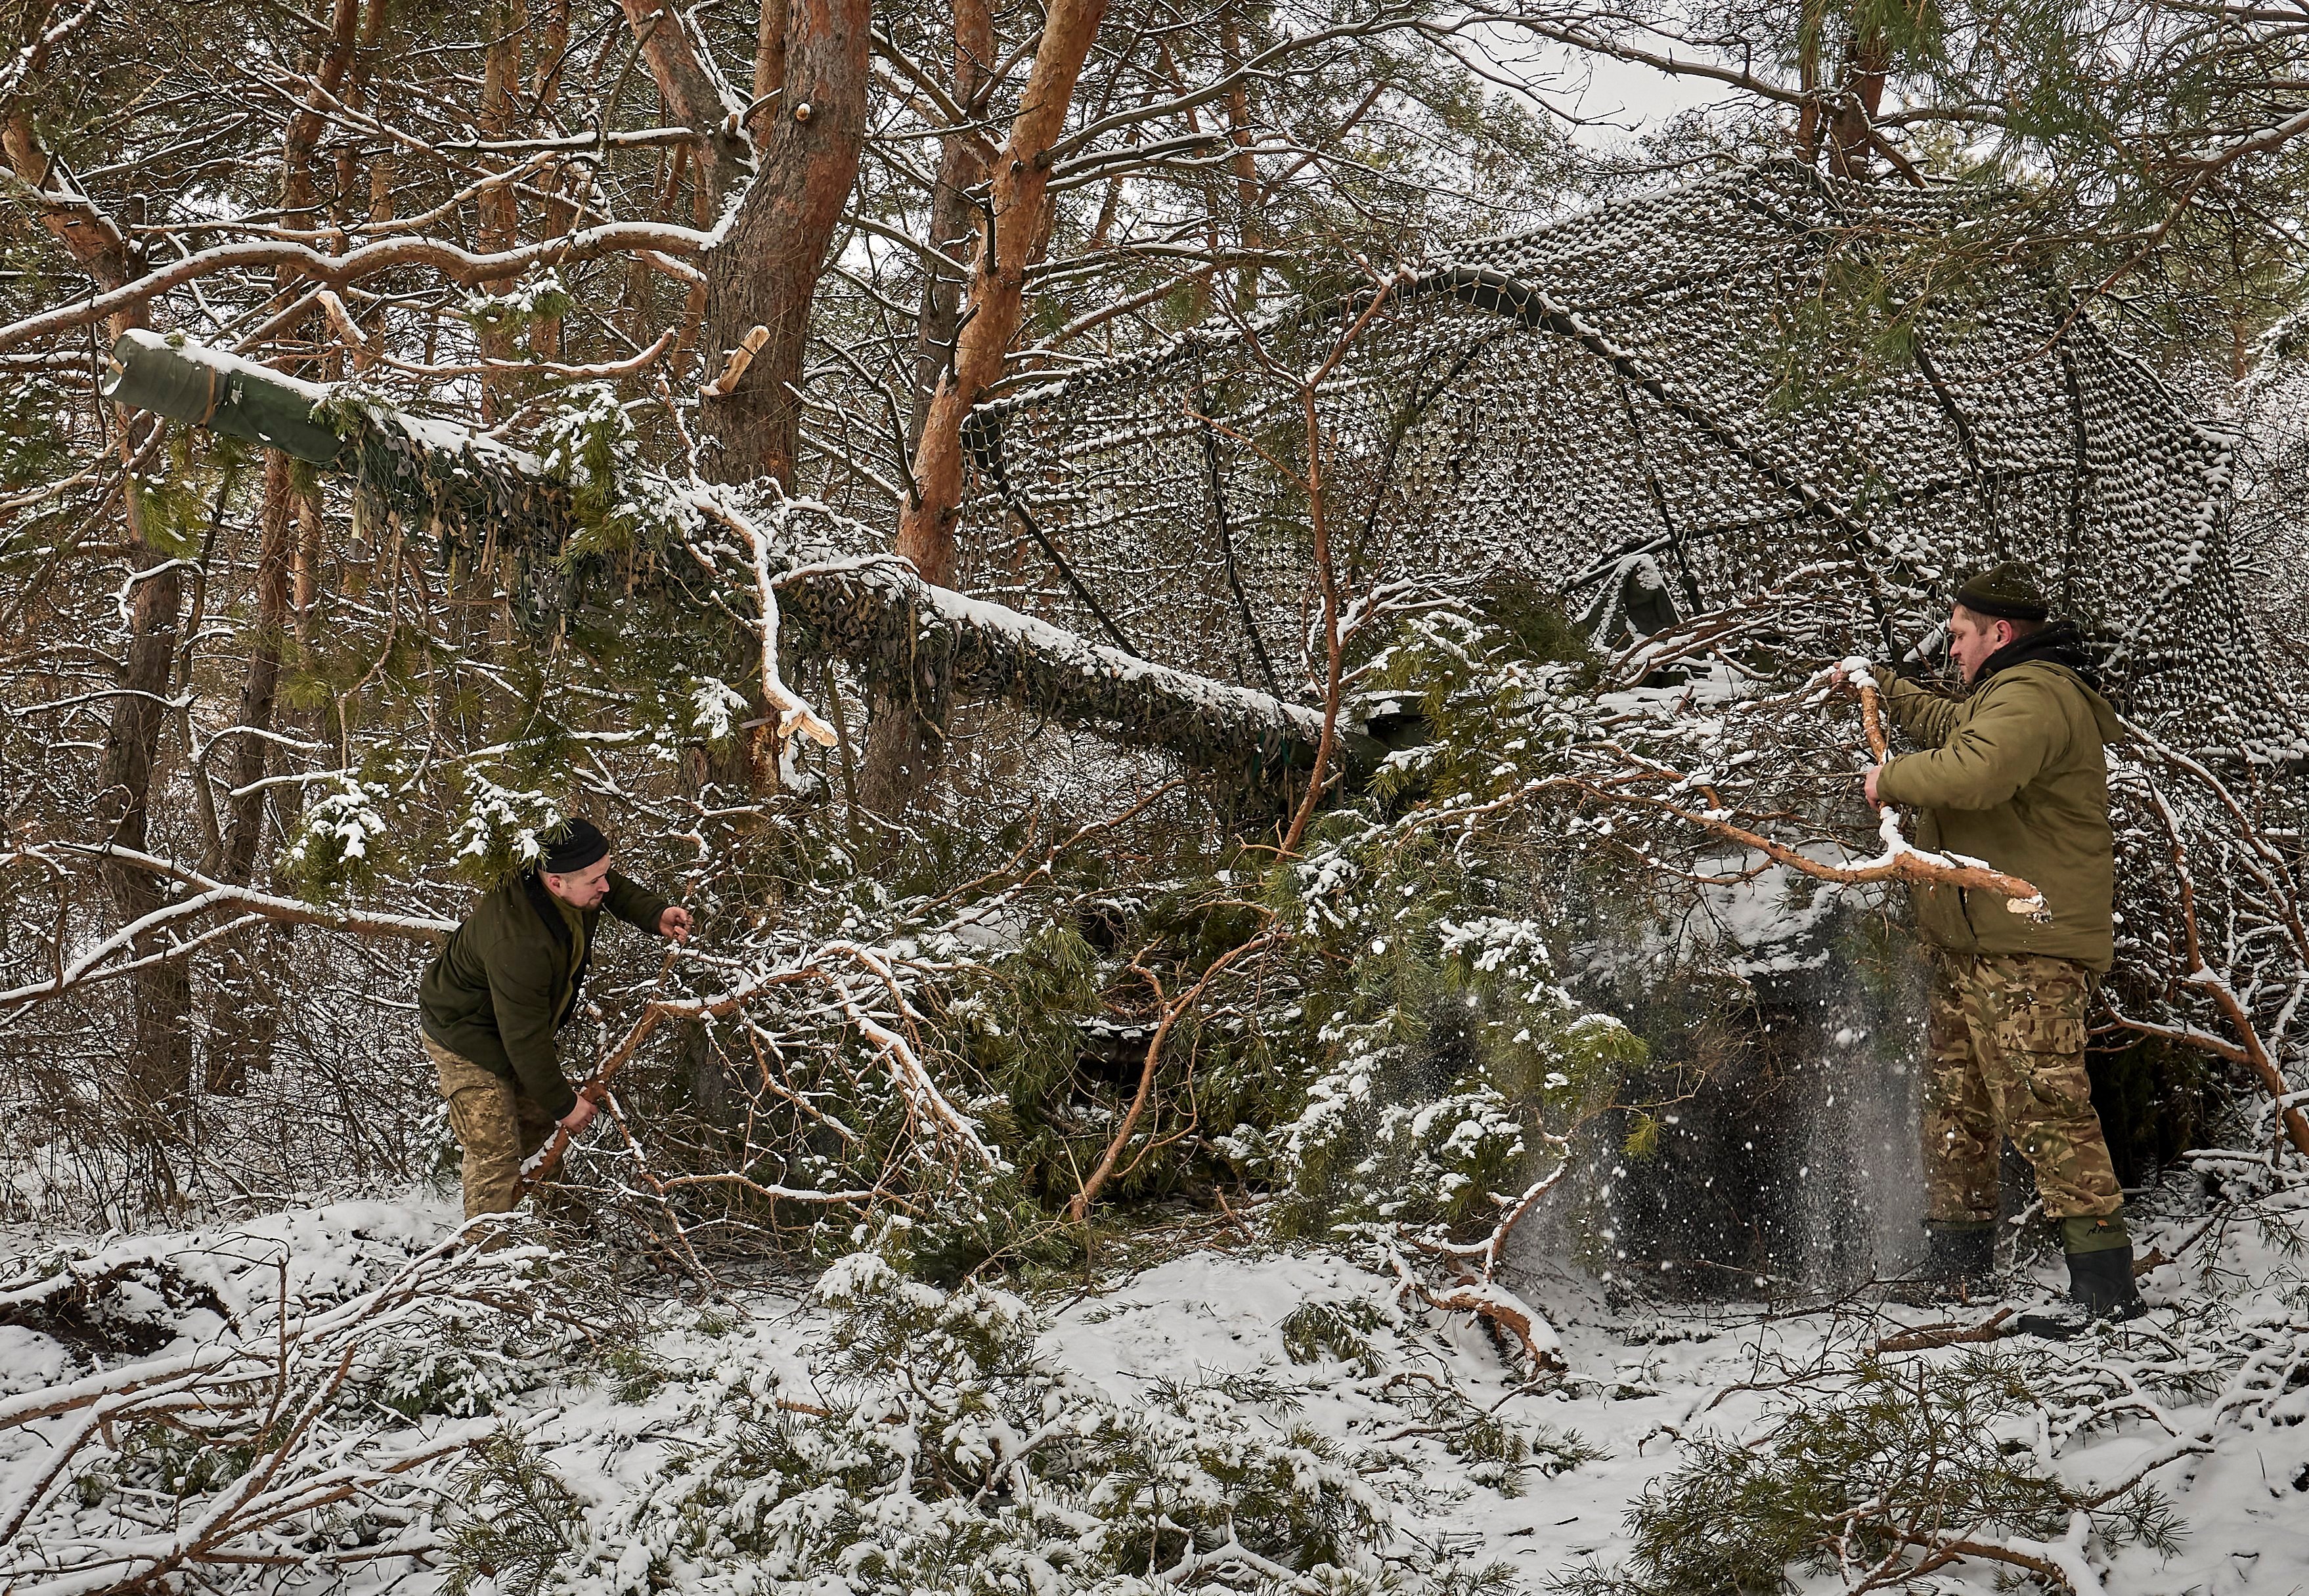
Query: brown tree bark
{"points": [[497, 211], [693, 95], [809, 130], [996, 305], [962, 166], [898, 753], [560, 213], [1251, 232], [159, 1066], [245, 1020], [88, 234], [899, 746]]}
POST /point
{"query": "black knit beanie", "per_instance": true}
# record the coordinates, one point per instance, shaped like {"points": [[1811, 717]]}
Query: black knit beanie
{"points": [[572, 846]]}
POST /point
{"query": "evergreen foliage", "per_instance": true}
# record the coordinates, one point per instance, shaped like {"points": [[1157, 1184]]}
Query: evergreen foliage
{"points": [[942, 1449], [521, 1522], [1889, 1474]]}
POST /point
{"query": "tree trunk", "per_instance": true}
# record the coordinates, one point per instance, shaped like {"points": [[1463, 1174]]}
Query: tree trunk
{"points": [[807, 135], [159, 1070], [897, 751], [901, 743], [498, 210], [962, 166], [560, 213], [160, 1067], [245, 1018], [693, 95], [1251, 233]]}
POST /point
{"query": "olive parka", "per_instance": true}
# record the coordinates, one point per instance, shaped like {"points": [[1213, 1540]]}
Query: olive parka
{"points": [[2013, 774], [507, 979]]}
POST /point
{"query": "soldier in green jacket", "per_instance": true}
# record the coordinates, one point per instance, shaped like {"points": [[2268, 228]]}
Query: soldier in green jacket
{"points": [[501, 986], [2012, 772]]}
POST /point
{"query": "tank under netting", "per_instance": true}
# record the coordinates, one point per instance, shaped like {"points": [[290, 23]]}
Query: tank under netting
{"points": [[1614, 392]]}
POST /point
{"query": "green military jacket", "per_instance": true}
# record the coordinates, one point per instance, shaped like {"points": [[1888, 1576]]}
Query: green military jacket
{"points": [[2013, 774], [507, 979]]}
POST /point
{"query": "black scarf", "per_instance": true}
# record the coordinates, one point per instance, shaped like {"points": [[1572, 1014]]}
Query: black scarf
{"points": [[2058, 642]]}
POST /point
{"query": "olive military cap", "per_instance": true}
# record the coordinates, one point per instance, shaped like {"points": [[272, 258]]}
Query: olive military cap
{"points": [[2005, 592]]}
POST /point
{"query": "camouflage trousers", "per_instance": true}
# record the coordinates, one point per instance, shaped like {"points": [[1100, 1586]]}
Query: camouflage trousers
{"points": [[497, 1126], [2006, 1043]]}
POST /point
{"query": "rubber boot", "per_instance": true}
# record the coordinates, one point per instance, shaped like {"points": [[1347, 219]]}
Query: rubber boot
{"points": [[2101, 1290], [1957, 1267]]}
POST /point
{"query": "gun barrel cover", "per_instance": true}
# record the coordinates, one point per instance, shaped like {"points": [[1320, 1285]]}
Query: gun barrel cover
{"points": [[171, 376]]}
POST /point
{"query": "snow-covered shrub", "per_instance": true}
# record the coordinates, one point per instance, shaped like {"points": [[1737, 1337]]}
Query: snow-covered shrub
{"points": [[1197, 1473], [518, 1521], [541, 298], [334, 842], [1340, 1330], [461, 1370], [500, 826], [1899, 1468], [1455, 1065], [588, 441], [938, 1448]]}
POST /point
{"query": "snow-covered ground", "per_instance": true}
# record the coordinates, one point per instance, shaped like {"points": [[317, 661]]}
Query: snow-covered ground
{"points": [[644, 1418]]}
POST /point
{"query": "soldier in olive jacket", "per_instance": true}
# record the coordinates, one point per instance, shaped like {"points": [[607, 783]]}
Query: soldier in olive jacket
{"points": [[502, 985], [2012, 773]]}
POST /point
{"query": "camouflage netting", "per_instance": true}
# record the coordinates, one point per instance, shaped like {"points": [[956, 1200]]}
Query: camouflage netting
{"points": [[1613, 393]]}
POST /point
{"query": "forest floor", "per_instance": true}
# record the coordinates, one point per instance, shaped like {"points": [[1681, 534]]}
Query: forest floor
{"points": [[1467, 1456]]}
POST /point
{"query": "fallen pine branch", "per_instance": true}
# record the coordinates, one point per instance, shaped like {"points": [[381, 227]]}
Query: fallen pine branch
{"points": [[1494, 1305], [1925, 1337]]}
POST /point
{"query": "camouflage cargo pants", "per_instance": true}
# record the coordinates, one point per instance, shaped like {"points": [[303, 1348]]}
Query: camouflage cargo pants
{"points": [[496, 1125], [2007, 1044]]}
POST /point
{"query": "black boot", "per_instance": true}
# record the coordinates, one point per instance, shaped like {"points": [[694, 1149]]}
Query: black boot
{"points": [[1957, 1267], [2100, 1290]]}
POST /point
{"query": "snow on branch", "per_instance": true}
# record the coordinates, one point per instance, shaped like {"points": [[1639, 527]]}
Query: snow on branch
{"points": [[872, 610], [103, 961], [271, 1411], [459, 266]]}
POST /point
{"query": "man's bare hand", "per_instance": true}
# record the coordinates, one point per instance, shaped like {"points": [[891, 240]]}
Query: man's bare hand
{"points": [[579, 1116], [674, 923], [1868, 785]]}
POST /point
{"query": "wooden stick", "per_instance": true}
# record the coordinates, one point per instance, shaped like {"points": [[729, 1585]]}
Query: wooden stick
{"points": [[1078, 1209], [1990, 1329], [740, 358]]}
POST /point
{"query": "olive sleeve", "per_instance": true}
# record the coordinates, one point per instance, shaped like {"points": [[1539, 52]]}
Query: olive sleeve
{"points": [[1924, 714], [633, 903], [521, 989], [2014, 734]]}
